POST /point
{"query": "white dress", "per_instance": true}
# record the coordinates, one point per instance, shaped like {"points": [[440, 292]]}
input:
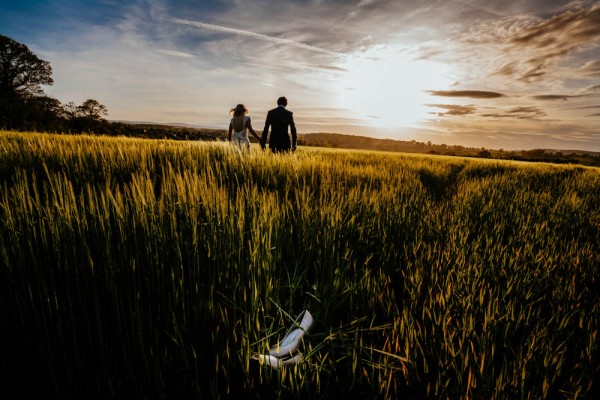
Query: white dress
{"points": [[241, 138]]}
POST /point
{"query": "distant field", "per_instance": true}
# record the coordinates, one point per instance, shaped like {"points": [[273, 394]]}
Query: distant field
{"points": [[133, 268]]}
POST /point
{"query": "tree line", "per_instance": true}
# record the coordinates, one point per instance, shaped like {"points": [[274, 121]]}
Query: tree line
{"points": [[25, 106]]}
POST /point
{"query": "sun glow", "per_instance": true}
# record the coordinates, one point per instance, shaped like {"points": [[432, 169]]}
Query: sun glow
{"points": [[387, 87]]}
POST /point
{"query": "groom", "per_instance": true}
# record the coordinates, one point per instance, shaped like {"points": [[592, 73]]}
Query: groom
{"points": [[279, 119]]}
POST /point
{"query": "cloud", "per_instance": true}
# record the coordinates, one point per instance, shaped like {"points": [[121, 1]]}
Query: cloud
{"points": [[330, 68], [527, 110], [552, 97], [453, 109], [175, 53], [254, 35], [591, 68], [532, 46], [518, 112], [474, 94], [358, 9], [591, 89], [584, 107], [593, 115], [564, 31], [536, 72], [507, 69], [428, 53]]}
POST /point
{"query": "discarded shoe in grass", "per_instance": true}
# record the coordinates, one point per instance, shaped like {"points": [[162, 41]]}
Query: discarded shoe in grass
{"points": [[277, 363], [280, 355], [294, 335]]}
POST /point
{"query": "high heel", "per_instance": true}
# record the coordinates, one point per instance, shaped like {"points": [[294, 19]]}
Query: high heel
{"points": [[292, 339], [277, 363]]}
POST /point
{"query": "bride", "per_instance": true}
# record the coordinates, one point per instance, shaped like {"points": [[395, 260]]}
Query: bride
{"points": [[239, 126]]}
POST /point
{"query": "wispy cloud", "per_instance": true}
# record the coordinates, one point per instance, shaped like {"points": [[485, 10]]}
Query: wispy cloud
{"points": [[474, 94], [176, 53], [453, 109], [254, 35], [565, 31], [528, 112], [591, 89], [585, 107], [553, 97], [591, 68], [532, 46], [330, 68]]}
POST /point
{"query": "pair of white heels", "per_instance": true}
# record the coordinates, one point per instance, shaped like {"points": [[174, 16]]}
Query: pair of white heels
{"points": [[281, 354]]}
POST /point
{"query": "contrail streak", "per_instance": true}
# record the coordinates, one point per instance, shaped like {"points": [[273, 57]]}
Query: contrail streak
{"points": [[266, 38], [469, 3]]}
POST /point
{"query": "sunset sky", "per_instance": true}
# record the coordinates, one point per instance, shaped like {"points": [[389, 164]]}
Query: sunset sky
{"points": [[497, 74]]}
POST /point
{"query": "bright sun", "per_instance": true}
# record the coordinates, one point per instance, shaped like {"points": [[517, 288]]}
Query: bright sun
{"points": [[386, 87]]}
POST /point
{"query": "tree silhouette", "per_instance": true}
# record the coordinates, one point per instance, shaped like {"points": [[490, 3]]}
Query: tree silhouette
{"points": [[23, 104], [70, 110], [87, 117], [92, 110], [22, 73]]}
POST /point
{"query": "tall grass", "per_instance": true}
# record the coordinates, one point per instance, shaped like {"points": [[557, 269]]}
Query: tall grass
{"points": [[155, 269]]}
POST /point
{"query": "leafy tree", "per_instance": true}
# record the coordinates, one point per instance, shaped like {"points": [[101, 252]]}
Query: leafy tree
{"points": [[23, 104], [46, 104], [44, 113], [70, 110], [92, 110], [87, 117], [22, 73]]}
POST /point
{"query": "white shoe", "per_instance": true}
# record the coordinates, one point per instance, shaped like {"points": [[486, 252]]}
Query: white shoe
{"points": [[293, 337], [277, 363]]}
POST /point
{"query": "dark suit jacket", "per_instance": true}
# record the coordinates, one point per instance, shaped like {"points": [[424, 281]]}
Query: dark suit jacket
{"points": [[279, 119]]}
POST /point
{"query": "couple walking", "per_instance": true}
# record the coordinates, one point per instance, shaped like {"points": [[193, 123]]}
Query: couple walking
{"points": [[278, 119]]}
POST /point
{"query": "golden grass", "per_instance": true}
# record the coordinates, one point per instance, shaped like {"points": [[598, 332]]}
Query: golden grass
{"points": [[137, 268]]}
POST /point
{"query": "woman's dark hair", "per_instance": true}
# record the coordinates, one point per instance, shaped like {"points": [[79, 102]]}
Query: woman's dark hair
{"points": [[239, 110]]}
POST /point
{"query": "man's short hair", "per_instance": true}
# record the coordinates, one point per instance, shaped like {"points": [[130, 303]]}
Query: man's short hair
{"points": [[282, 101]]}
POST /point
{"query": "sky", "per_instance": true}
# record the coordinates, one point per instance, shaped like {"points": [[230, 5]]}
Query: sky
{"points": [[511, 74]]}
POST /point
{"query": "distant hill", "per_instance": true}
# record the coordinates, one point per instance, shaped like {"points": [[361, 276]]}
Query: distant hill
{"points": [[336, 140]]}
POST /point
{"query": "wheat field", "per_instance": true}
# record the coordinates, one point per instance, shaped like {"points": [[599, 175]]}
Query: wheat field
{"points": [[151, 269]]}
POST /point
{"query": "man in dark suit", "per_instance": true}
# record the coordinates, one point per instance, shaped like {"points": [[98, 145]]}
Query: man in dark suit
{"points": [[279, 119]]}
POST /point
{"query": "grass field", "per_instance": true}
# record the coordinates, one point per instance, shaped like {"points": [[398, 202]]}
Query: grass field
{"points": [[133, 268]]}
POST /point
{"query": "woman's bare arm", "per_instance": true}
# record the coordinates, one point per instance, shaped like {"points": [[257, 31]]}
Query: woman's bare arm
{"points": [[252, 131]]}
